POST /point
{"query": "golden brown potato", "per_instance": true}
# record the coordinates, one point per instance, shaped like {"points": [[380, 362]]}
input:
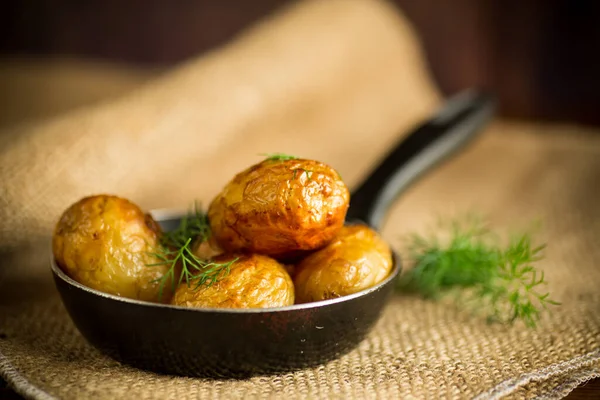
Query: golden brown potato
{"points": [[280, 208], [104, 242], [356, 259], [254, 281]]}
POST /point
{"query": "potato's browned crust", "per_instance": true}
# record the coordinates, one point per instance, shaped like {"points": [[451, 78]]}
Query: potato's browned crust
{"points": [[356, 259], [280, 208], [105, 242], [254, 281]]}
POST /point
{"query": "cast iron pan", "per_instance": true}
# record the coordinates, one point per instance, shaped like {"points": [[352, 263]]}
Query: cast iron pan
{"points": [[239, 343]]}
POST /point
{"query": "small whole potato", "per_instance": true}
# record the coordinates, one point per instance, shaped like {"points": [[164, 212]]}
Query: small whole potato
{"points": [[280, 208], [104, 242], [254, 281], [356, 259]]}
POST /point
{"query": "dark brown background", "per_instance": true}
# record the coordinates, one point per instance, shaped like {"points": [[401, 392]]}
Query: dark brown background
{"points": [[541, 57]]}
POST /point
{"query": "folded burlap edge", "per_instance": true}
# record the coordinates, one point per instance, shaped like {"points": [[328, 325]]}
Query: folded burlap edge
{"points": [[576, 380], [573, 373], [19, 383]]}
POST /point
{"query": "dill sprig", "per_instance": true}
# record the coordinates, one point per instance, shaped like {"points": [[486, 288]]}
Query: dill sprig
{"points": [[497, 280], [278, 156], [192, 226], [176, 251]]}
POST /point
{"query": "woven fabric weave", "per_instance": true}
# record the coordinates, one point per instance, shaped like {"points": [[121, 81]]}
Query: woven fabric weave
{"points": [[515, 173]]}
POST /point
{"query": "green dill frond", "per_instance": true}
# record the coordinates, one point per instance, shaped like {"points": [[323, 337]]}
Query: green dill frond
{"points": [[278, 156], [500, 281], [176, 251]]}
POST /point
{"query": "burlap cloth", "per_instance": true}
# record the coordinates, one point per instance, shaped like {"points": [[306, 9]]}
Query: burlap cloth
{"points": [[338, 81]]}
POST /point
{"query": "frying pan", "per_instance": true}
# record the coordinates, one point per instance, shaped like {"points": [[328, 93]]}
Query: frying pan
{"points": [[237, 343]]}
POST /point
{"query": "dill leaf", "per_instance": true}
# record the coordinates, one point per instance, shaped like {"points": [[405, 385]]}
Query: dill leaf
{"points": [[278, 156], [486, 276], [176, 251]]}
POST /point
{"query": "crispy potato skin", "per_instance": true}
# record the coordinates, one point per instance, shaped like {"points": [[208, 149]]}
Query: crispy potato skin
{"points": [[356, 259], [254, 281], [103, 242], [280, 208]]}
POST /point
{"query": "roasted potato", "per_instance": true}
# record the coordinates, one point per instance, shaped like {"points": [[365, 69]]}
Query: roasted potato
{"points": [[104, 242], [280, 208], [254, 281], [356, 259]]}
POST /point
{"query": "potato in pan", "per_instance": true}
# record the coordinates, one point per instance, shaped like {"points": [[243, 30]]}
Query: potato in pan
{"points": [[106, 242], [280, 208], [356, 259], [253, 281]]}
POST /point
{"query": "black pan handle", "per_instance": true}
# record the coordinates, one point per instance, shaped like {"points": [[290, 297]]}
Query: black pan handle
{"points": [[451, 128]]}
